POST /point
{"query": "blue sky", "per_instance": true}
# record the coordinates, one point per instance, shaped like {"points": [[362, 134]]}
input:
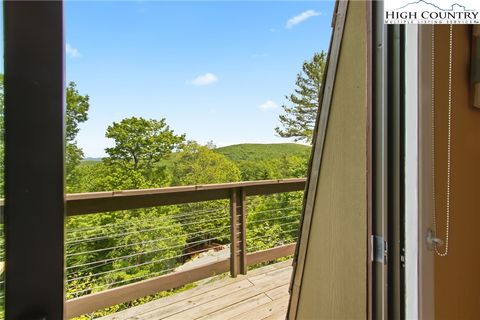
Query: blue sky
{"points": [[215, 70]]}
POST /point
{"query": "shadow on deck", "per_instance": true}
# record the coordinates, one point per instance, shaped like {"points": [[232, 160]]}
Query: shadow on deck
{"points": [[261, 294]]}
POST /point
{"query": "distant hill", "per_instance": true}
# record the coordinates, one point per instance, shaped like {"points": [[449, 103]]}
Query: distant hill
{"points": [[90, 160], [247, 151], [257, 151]]}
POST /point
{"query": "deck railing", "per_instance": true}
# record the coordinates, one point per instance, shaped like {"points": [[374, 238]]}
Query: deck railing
{"points": [[240, 257]]}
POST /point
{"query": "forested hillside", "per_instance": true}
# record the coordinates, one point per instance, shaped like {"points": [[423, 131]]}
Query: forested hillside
{"points": [[267, 151], [254, 162]]}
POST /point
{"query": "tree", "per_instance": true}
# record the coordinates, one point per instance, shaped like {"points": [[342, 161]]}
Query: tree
{"points": [[76, 113], [141, 147], [140, 143], [276, 168], [298, 120], [252, 170], [197, 164]]}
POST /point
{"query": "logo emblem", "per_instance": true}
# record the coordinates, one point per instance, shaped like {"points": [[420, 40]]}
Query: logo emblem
{"points": [[432, 12]]}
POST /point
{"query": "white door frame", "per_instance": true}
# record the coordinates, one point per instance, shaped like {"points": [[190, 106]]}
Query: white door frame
{"points": [[425, 203], [419, 260], [411, 172]]}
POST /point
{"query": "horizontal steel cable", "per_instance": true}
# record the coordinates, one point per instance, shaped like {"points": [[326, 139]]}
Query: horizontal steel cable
{"points": [[123, 246], [136, 232], [142, 264], [123, 281], [164, 216], [107, 231], [275, 218], [178, 236], [267, 236], [133, 255]]}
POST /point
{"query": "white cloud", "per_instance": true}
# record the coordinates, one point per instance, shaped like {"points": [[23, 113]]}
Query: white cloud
{"points": [[301, 18], [71, 51], [268, 105], [204, 80]]}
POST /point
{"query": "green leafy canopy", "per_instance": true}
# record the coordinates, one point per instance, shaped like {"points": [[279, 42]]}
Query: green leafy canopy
{"points": [[140, 143]]}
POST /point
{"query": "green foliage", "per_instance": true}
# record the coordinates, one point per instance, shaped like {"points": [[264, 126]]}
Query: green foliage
{"points": [[119, 178], [124, 246], [294, 167], [259, 170], [281, 168], [268, 161], [299, 117], [90, 177], [73, 157], [141, 148], [273, 220], [259, 152], [197, 164], [141, 143], [76, 113]]}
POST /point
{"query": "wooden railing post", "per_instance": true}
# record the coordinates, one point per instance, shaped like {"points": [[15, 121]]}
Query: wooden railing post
{"points": [[238, 232], [243, 230]]}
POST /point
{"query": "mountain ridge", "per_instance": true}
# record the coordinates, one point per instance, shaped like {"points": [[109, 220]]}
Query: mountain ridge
{"points": [[263, 151], [250, 151]]}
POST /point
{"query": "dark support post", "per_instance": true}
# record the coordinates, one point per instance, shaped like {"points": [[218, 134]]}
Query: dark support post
{"points": [[395, 176], [242, 218], [238, 261], [233, 234], [34, 146]]}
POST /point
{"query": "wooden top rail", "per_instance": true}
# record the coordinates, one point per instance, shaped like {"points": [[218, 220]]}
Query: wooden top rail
{"points": [[95, 202]]}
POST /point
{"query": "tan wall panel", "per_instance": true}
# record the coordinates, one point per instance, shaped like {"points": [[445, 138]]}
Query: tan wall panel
{"points": [[334, 281], [457, 276]]}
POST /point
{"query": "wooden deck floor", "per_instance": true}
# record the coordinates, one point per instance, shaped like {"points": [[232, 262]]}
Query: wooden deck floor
{"points": [[262, 294]]}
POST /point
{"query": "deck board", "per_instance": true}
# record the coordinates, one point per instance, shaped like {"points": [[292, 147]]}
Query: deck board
{"points": [[238, 308], [261, 294], [264, 311]]}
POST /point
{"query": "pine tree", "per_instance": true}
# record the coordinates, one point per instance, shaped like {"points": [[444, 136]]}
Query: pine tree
{"points": [[299, 117]]}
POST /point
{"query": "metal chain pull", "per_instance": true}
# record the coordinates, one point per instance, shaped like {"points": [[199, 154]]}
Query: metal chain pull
{"points": [[432, 238]]}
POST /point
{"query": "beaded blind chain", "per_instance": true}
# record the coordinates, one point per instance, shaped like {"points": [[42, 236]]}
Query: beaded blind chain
{"points": [[437, 241]]}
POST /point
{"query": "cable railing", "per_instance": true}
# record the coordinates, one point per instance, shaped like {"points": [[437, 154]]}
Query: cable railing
{"points": [[148, 241]]}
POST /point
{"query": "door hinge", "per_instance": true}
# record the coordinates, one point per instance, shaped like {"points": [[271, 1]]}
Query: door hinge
{"points": [[379, 249], [403, 258]]}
